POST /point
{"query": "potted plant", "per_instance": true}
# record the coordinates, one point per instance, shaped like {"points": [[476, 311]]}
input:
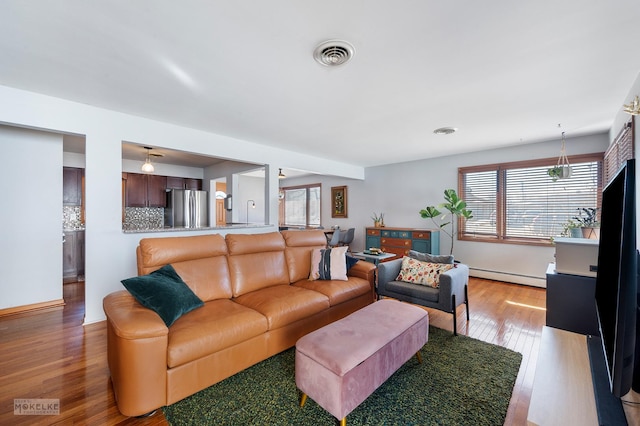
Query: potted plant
{"points": [[455, 206], [587, 220], [559, 172], [378, 220], [572, 229]]}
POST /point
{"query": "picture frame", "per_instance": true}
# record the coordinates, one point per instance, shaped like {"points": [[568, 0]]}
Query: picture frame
{"points": [[339, 201]]}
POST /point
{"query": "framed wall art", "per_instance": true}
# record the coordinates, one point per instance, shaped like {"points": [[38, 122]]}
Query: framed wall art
{"points": [[339, 201]]}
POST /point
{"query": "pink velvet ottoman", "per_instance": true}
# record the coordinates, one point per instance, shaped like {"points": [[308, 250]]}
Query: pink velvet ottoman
{"points": [[341, 364]]}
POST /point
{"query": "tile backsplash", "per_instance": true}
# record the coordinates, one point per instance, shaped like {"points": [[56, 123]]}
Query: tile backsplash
{"points": [[71, 218], [136, 218]]}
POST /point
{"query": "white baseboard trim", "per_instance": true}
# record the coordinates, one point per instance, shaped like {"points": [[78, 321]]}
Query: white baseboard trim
{"points": [[508, 277]]}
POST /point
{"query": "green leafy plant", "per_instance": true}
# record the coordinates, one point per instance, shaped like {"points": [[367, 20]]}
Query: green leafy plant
{"points": [[378, 220], [568, 226], [455, 206], [587, 217]]}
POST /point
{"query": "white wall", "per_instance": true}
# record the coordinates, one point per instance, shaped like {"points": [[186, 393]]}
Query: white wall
{"points": [[620, 120], [31, 217], [401, 190], [251, 188], [109, 253]]}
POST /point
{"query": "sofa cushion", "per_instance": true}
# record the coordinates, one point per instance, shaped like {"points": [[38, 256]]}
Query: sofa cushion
{"points": [[338, 291], [219, 324], [424, 273], [154, 253], [208, 278], [284, 304], [299, 244], [164, 292], [415, 292], [427, 257], [256, 261], [328, 264]]}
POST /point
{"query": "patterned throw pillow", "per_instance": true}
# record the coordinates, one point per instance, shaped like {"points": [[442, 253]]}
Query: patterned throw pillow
{"points": [[329, 264], [424, 273]]}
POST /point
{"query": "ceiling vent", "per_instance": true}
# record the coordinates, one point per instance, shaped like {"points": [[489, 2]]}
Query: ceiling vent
{"points": [[332, 53], [445, 130]]}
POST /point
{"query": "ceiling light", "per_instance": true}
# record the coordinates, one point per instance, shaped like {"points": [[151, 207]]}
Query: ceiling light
{"points": [[445, 130], [634, 107], [147, 167], [332, 53], [281, 175]]}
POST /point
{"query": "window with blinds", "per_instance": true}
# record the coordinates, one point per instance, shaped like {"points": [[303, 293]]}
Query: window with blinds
{"points": [[301, 206], [621, 150], [520, 203]]}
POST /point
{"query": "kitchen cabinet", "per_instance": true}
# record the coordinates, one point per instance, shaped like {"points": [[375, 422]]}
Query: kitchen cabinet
{"points": [[145, 190], [400, 240], [72, 186], [183, 183], [72, 255]]}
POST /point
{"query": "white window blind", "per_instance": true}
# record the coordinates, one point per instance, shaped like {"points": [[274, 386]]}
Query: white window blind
{"points": [[520, 201], [481, 197], [302, 206]]}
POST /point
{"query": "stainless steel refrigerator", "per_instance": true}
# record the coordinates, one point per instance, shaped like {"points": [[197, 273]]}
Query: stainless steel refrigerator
{"points": [[186, 208]]}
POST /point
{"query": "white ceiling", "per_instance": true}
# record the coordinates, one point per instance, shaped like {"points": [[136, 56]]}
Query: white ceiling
{"points": [[503, 72]]}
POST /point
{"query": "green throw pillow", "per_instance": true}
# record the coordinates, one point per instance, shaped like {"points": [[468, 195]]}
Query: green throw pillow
{"points": [[164, 292]]}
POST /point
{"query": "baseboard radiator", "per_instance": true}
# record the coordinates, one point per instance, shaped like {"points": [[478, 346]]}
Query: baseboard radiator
{"points": [[508, 277]]}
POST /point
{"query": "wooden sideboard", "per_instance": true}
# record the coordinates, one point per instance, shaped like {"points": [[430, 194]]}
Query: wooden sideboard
{"points": [[400, 240]]}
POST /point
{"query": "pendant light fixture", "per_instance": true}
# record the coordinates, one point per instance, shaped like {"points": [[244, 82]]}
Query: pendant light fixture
{"points": [[147, 167], [280, 174]]}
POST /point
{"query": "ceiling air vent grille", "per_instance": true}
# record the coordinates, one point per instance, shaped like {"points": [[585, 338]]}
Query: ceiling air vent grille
{"points": [[332, 53]]}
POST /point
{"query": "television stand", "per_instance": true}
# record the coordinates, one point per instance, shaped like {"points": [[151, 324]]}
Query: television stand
{"points": [[609, 408], [563, 390]]}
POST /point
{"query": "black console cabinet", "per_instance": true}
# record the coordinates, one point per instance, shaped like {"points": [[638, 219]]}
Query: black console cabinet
{"points": [[571, 303]]}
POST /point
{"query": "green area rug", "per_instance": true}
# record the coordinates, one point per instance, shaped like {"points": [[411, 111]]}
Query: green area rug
{"points": [[462, 381]]}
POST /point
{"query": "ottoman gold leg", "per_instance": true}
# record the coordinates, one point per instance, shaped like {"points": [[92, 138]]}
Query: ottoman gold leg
{"points": [[419, 357], [343, 422], [303, 399]]}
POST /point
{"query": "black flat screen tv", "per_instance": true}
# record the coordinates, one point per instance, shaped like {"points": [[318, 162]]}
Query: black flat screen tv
{"points": [[616, 281]]}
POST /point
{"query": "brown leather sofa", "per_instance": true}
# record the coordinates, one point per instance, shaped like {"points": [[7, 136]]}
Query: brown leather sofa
{"points": [[258, 302]]}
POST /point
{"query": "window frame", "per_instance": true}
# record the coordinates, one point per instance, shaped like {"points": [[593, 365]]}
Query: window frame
{"points": [[282, 206], [501, 169]]}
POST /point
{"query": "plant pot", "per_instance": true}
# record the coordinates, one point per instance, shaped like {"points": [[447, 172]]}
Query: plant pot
{"points": [[591, 233], [575, 233]]}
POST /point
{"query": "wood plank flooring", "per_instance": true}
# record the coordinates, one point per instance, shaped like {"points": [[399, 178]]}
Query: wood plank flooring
{"points": [[49, 354]]}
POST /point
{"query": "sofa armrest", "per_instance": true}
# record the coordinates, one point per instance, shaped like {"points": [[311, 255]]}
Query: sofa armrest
{"points": [[387, 272], [453, 282], [137, 341], [131, 320], [364, 270]]}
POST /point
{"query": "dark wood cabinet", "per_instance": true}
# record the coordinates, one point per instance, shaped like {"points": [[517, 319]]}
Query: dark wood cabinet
{"points": [[156, 191], [72, 186], [183, 183], [145, 190], [72, 255]]}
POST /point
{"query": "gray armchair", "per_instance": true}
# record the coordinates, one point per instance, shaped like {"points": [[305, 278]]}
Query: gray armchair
{"points": [[451, 293]]}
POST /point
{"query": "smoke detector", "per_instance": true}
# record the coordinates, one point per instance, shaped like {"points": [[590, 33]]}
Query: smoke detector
{"points": [[332, 53]]}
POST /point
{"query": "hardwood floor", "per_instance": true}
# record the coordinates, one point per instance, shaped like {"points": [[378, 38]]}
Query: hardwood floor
{"points": [[49, 354]]}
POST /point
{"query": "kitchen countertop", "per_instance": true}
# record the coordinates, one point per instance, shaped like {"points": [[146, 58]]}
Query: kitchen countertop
{"points": [[203, 228]]}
